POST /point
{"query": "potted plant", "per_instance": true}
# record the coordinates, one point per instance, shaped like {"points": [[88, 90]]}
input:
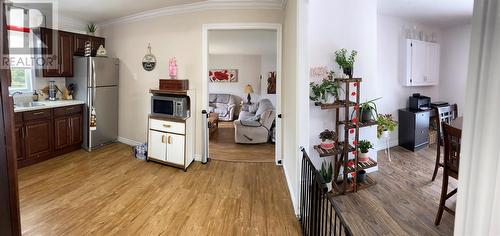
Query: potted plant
{"points": [[91, 28], [325, 92], [361, 176], [346, 62], [364, 146], [327, 175], [368, 111], [327, 139], [385, 124]]}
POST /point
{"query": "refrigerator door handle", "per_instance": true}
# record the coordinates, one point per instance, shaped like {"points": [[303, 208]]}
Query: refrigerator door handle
{"points": [[93, 74]]}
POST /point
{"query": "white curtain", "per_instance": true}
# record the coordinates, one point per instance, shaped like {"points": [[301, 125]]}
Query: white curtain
{"points": [[478, 205]]}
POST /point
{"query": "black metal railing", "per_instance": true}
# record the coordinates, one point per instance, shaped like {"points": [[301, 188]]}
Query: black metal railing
{"points": [[319, 214]]}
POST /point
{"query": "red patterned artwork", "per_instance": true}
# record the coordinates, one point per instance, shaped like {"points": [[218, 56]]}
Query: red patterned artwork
{"points": [[223, 75]]}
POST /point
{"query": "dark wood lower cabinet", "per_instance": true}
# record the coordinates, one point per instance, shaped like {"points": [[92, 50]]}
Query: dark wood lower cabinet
{"points": [[37, 139], [48, 133]]}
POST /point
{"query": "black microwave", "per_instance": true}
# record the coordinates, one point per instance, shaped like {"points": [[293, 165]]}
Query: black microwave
{"points": [[168, 106]]}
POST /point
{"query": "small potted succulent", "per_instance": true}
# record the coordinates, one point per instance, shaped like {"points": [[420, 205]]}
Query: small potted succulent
{"points": [[325, 92], [91, 29], [385, 124], [364, 146], [327, 174], [327, 139], [346, 62]]}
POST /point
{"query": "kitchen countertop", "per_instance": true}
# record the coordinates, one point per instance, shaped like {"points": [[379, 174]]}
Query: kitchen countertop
{"points": [[48, 104]]}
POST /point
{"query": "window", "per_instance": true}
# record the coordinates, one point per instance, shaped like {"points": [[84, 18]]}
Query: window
{"points": [[21, 52]]}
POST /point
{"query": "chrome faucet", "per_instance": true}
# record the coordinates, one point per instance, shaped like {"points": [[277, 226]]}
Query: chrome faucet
{"points": [[15, 93]]}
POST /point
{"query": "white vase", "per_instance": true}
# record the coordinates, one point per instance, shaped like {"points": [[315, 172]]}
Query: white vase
{"points": [[385, 134], [363, 157]]}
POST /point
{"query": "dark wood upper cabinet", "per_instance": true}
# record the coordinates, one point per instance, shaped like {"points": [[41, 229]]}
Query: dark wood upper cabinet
{"points": [[58, 48], [65, 54], [81, 39], [50, 53]]}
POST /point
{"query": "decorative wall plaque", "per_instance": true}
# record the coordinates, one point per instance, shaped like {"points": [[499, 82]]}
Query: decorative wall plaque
{"points": [[149, 60]]}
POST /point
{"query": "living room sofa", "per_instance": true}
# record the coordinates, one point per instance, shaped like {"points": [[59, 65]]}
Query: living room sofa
{"points": [[223, 104], [254, 123]]}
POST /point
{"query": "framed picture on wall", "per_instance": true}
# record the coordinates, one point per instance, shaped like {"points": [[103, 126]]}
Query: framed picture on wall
{"points": [[271, 83], [223, 75]]}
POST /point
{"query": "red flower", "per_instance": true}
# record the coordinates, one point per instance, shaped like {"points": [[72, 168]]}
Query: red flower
{"points": [[353, 152], [354, 142], [353, 93], [354, 120], [351, 131], [350, 163]]}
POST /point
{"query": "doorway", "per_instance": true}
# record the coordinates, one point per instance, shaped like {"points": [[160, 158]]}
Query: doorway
{"points": [[241, 91]]}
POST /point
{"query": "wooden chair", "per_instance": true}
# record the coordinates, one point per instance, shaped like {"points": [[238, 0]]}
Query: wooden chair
{"points": [[452, 138], [444, 114]]}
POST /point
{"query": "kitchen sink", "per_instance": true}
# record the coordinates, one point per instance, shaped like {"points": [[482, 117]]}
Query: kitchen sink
{"points": [[29, 104]]}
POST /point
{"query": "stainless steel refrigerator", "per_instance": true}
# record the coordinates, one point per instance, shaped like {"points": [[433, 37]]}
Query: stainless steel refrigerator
{"points": [[96, 82]]}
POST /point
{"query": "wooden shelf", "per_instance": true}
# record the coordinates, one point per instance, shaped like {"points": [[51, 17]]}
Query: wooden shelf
{"points": [[349, 80], [351, 124], [337, 188], [362, 166], [338, 149], [337, 104]]}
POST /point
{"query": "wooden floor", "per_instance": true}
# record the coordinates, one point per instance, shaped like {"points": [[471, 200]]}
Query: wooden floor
{"points": [[404, 201], [108, 192], [222, 147]]}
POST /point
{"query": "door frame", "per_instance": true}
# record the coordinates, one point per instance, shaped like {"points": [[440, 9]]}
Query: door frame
{"points": [[248, 26]]}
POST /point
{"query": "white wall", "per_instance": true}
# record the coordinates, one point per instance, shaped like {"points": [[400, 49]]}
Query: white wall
{"points": [[336, 24], [268, 64], [391, 45], [454, 64], [249, 68], [179, 36]]}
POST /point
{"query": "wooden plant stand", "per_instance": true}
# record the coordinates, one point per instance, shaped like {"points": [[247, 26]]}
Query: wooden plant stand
{"points": [[340, 153]]}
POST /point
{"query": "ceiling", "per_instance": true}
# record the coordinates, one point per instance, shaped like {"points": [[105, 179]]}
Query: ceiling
{"points": [[103, 10], [242, 42], [441, 13]]}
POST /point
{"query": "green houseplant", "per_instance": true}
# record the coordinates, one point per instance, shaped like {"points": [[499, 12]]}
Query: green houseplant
{"points": [[346, 62], [385, 124], [367, 111], [364, 146], [327, 139], [325, 92], [91, 28], [327, 174]]}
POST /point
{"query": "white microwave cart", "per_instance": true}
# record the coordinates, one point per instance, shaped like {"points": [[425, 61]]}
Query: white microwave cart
{"points": [[171, 140]]}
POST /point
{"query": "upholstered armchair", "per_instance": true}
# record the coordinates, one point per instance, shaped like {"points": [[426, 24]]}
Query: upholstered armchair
{"points": [[254, 123], [223, 104]]}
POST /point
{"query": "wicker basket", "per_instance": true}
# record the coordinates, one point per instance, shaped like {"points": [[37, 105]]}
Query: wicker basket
{"points": [[432, 136]]}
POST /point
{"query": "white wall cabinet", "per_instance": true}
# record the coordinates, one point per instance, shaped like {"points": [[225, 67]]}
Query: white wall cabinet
{"points": [[422, 63]]}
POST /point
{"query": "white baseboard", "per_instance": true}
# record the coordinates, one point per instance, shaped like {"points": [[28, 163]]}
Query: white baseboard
{"points": [[129, 142], [290, 190]]}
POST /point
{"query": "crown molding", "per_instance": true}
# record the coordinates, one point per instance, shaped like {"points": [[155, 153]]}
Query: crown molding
{"points": [[196, 7]]}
